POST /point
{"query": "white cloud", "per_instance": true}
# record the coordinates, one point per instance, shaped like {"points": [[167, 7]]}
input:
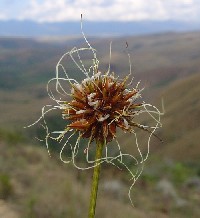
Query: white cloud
{"points": [[3, 17], [104, 10]]}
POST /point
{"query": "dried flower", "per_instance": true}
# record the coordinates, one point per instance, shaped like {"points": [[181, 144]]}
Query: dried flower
{"points": [[99, 105], [96, 108]]}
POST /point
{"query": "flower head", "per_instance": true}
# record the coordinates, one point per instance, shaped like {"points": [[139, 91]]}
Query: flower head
{"points": [[99, 105]]}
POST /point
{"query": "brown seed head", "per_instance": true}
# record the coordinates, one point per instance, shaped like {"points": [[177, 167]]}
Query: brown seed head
{"points": [[99, 105]]}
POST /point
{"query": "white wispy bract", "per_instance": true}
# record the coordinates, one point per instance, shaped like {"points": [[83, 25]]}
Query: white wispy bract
{"points": [[101, 10]]}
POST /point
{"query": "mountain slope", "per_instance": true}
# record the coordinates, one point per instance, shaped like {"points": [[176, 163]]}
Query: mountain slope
{"points": [[42, 186], [181, 121], [27, 64]]}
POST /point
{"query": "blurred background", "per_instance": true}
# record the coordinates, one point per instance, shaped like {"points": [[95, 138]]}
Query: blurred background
{"points": [[163, 39]]}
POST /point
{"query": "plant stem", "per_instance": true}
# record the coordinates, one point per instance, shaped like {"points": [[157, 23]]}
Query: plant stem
{"points": [[95, 180]]}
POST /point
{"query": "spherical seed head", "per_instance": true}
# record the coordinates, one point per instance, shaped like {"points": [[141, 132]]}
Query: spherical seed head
{"points": [[99, 105]]}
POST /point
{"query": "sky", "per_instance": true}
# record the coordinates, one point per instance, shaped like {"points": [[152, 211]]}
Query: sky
{"points": [[100, 10]]}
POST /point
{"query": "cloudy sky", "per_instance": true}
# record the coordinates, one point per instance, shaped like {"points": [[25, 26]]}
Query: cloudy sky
{"points": [[100, 10]]}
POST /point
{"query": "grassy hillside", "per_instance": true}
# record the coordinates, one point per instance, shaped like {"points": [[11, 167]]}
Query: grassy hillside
{"points": [[181, 120], [37, 185], [27, 64], [34, 185], [157, 59], [180, 131]]}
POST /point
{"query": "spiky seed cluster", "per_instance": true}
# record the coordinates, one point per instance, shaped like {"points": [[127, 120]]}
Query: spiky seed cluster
{"points": [[99, 105]]}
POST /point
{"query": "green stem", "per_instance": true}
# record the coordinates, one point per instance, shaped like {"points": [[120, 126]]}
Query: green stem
{"points": [[95, 180]]}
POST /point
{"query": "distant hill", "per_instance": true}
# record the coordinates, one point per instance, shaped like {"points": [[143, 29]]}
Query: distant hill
{"points": [[157, 59], [181, 120], [26, 64], [167, 65], [30, 28], [35, 185], [180, 125]]}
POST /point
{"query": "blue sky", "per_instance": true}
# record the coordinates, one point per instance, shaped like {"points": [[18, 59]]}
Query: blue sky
{"points": [[100, 10]]}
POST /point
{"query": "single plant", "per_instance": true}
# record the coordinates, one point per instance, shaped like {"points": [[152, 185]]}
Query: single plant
{"points": [[6, 188], [94, 109]]}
